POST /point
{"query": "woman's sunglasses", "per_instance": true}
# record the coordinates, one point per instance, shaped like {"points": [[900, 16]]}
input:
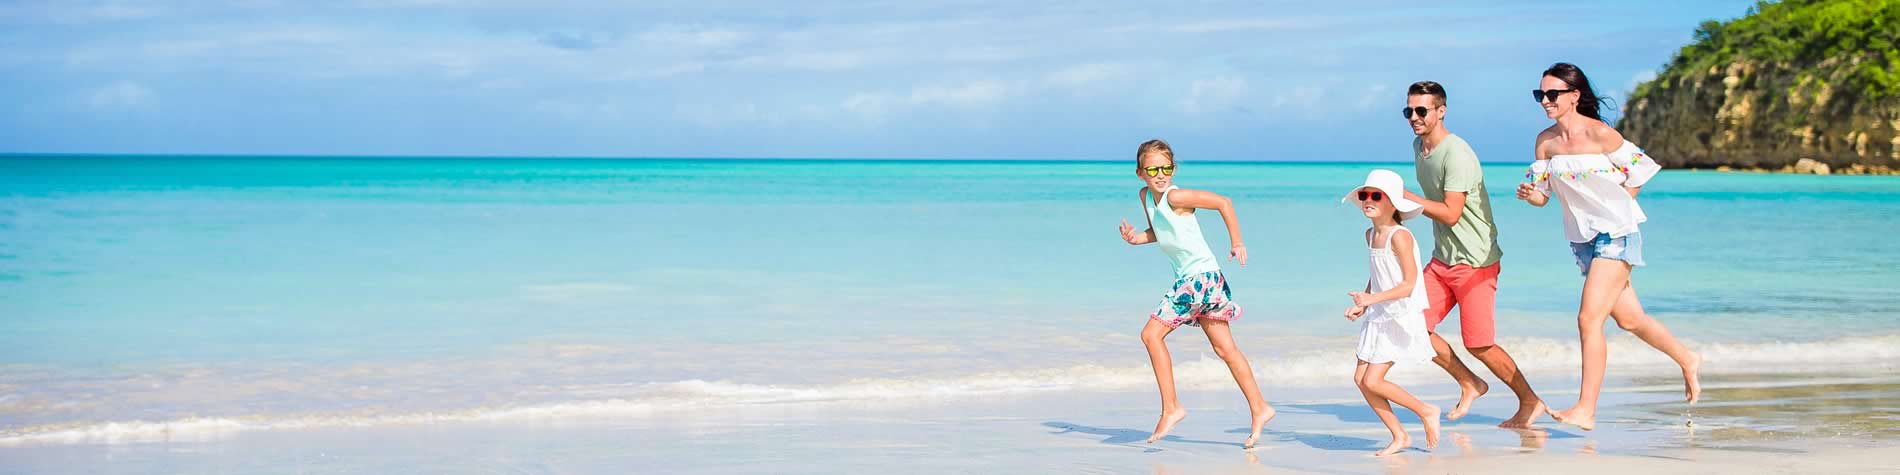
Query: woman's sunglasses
{"points": [[1153, 171], [1548, 94], [1371, 196], [1415, 111]]}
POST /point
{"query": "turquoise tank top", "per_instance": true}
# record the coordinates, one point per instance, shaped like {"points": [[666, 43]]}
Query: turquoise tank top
{"points": [[1180, 238]]}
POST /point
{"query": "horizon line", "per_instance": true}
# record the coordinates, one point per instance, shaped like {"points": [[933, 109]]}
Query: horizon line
{"points": [[91, 155]]}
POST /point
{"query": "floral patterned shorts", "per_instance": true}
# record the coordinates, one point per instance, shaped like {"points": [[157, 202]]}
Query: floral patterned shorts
{"points": [[1203, 295]]}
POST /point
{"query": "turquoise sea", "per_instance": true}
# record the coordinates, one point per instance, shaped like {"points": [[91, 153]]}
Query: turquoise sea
{"points": [[161, 296]]}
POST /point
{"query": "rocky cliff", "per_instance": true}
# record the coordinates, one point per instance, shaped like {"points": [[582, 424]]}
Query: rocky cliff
{"points": [[1817, 80]]}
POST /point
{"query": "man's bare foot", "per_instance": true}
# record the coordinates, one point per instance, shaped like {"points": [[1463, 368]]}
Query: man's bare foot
{"points": [[1467, 394], [1691, 385], [1430, 416], [1526, 415], [1169, 417], [1398, 444], [1583, 418], [1260, 418]]}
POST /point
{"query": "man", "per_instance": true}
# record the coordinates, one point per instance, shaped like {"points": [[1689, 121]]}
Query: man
{"points": [[1464, 267]]}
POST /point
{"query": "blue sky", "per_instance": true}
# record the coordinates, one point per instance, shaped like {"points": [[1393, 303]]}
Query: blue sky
{"points": [[1247, 80]]}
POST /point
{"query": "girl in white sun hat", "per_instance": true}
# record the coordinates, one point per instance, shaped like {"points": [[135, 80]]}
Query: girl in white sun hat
{"points": [[1392, 307]]}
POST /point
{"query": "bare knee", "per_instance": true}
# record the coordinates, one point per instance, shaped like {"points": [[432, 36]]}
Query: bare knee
{"points": [[1371, 384], [1632, 324], [1589, 326], [1153, 337], [1226, 351], [1364, 383]]}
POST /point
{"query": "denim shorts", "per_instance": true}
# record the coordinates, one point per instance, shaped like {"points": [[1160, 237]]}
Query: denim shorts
{"points": [[1628, 248]]}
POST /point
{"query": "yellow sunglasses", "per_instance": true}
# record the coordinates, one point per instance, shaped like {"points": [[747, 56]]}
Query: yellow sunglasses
{"points": [[1153, 171]]}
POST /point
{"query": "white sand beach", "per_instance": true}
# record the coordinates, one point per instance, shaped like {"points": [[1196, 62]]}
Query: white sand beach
{"points": [[1777, 424]]}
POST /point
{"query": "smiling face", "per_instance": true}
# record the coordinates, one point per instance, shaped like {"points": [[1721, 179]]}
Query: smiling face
{"points": [[1565, 104], [1433, 117], [1164, 170], [1374, 203]]}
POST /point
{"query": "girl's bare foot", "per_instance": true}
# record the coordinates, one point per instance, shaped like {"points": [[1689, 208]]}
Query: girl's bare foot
{"points": [[1583, 418], [1398, 444], [1691, 386], [1430, 416], [1467, 394], [1526, 415], [1260, 418], [1168, 418]]}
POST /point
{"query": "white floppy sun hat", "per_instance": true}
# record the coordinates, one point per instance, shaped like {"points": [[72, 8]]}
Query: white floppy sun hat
{"points": [[1393, 186]]}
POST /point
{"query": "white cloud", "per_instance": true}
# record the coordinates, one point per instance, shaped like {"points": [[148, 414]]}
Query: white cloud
{"points": [[1233, 24], [1214, 94], [647, 71], [1090, 73], [1376, 95], [963, 95], [981, 54], [729, 115], [807, 61], [693, 37], [690, 65], [1301, 99], [576, 292], [591, 110], [80, 13], [122, 95], [969, 95]]}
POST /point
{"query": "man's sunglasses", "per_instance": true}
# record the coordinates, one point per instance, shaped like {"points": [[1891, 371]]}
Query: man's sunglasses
{"points": [[1548, 94], [1371, 196], [1415, 111], [1153, 171]]}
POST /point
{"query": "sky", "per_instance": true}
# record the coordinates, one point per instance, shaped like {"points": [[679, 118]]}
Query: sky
{"points": [[1243, 80]]}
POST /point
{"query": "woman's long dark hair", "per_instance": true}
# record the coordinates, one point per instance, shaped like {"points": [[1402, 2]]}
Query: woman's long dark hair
{"points": [[1588, 103]]}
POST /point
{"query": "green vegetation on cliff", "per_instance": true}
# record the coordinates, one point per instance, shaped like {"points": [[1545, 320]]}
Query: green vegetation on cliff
{"points": [[1794, 79]]}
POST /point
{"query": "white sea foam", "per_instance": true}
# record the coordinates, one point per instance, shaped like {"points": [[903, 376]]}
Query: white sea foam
{"points": [[1545, 361]]}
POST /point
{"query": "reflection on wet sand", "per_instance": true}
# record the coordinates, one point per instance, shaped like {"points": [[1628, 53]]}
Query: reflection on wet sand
{"points": [[1758, 409]]}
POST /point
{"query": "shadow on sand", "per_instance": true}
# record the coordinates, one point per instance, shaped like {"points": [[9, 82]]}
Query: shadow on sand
{"points": [[1128, 437]]}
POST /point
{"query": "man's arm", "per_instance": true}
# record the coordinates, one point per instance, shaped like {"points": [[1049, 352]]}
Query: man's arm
{"points": [[1446, 212]]}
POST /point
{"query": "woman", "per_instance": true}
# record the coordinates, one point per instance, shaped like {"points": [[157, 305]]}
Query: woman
{"points": [[1597, 174]]}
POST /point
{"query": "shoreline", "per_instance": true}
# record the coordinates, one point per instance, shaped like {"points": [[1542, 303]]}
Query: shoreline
{"points": [[1804, 167]]}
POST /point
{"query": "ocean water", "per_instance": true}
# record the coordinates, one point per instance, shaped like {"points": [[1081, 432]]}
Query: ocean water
{"points": [[160, 297]]}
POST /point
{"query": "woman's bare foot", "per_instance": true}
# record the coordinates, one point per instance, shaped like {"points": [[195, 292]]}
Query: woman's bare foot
{"points": [[1691, 385], [1467, 394], [1169, 417], [1526, 415], [1583, 418], [1430, 416], [1398, 444], [1260, 418]]}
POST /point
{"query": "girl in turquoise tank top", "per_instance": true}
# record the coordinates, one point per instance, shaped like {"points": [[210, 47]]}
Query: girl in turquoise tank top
{"points": [[1200, 296]]}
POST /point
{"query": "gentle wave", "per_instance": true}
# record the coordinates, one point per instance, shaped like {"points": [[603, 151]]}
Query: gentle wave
{"points": [[1541, 359]]}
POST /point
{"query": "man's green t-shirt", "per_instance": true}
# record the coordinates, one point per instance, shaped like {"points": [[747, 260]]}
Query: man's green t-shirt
{"points": [[1453, 166]]}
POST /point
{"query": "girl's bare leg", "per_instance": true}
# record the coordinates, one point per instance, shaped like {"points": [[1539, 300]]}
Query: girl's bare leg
{"points": [[1154, 336], [1382, 408], [1374, 381], [1219, 335]]}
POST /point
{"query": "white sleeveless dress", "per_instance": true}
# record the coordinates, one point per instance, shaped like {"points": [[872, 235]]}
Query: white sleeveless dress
{"points": [[1394, 330]]}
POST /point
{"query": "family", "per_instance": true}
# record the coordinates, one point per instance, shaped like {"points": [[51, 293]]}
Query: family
{"points": [[1580, 160]]}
